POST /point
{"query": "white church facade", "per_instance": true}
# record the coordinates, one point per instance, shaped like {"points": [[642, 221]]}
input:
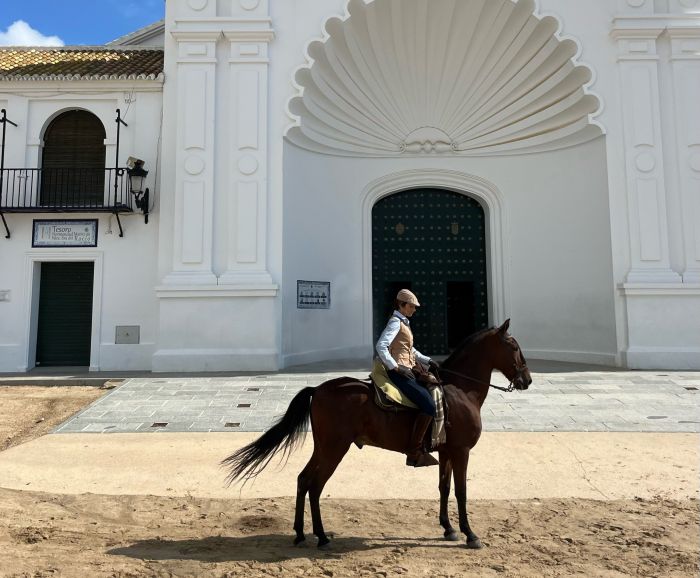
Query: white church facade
{"points": [[537, 160]]}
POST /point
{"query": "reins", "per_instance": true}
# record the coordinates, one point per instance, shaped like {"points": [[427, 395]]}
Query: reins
{"points": [[462, 375]]}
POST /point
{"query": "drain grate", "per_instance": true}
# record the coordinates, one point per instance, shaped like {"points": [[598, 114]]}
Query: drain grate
{"points": [[243, 405], [253, 389], [159, 424], [232, 424], [691, 388], [657, 417]]}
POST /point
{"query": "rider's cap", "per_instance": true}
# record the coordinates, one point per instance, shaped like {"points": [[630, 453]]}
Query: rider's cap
{"points": [[407, 297]]}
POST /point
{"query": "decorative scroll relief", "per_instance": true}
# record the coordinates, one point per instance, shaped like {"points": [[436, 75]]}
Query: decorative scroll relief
{"points": [[192, 221], [476, 77]]}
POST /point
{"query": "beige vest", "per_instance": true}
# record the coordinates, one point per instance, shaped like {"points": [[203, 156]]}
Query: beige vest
{"points": [[401, 349]]}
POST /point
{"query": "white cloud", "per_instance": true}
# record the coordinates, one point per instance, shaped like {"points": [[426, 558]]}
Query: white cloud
{"points": [[19, 33]]}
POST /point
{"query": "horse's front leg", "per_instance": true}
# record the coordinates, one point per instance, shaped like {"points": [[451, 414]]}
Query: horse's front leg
{"points": [[460, 461], [445, 477]]}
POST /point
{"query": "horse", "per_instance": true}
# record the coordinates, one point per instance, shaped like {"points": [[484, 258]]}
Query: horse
{"points": [[342, 412]]}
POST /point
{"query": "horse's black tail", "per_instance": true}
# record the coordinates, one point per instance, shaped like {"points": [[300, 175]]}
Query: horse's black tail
{"points": [[286, 434]]}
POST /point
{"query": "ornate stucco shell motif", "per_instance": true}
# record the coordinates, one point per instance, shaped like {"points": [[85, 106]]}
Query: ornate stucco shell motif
{"points": [[466, 77]]}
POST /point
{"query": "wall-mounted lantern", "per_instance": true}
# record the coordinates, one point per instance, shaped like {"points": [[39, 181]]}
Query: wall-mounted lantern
{"points": [[137, 181]]}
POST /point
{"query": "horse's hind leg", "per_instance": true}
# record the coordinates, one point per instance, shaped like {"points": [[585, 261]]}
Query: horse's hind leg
{"points": [[445, 476], [328, 462], [303, 482]]}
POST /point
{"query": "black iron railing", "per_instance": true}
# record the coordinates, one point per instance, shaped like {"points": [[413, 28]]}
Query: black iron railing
{"points": [[65, 190]]}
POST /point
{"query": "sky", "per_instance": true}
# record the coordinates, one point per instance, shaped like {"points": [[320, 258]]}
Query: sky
{"points": [[73, 22]]}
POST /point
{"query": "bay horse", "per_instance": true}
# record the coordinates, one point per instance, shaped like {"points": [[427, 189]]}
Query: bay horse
{"points": [[343, 412]]}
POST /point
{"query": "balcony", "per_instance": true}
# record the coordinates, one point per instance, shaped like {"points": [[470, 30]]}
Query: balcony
{"points": [[65, 190]]}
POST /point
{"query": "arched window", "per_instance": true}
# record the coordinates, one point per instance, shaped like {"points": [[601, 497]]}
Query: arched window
{"points": [[73, 161]]}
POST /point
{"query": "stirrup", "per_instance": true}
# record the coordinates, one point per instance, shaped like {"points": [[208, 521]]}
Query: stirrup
{"points": [[423, 460]]}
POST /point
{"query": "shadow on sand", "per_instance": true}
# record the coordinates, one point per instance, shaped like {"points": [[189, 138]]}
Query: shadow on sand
{"points": [[260, 548]]}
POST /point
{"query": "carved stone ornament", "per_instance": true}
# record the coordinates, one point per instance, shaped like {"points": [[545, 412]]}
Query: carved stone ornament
{"points": [[466, 77]]}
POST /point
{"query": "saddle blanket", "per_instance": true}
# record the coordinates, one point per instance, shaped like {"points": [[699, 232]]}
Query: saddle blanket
{"points": [[393, 399]]}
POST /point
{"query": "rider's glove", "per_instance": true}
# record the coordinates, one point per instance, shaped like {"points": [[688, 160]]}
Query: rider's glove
{"points": [[432, 366], [405, 371]]}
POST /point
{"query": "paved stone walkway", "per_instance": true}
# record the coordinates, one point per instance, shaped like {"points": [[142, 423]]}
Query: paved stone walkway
{"points": [[577, 401]]}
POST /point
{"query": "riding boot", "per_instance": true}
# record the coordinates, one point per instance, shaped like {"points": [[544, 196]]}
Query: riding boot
{"points": [[416, 456]]}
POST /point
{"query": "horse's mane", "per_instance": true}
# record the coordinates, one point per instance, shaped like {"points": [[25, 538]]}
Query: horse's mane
{"points": [[466, 343]]}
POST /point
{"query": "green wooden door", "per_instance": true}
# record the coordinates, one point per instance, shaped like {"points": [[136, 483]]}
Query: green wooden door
{"points": [[433, 242], [65, 314]]}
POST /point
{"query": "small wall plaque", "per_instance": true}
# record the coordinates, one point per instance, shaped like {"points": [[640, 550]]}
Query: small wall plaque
{"points": [[313, 294], [65, 233]]}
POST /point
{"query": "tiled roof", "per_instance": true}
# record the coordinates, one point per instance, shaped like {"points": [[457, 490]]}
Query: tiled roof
{"points": [[79, 63]]}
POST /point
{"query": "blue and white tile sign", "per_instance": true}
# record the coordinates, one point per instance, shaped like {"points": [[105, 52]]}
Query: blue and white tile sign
{"points": [[65, 233], [313, 294]]}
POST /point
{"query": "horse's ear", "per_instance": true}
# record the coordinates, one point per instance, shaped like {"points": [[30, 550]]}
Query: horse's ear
{"points": [[504, 328]]}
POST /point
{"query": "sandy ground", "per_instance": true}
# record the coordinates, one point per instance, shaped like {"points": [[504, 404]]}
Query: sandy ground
{"points": [[27, 412], [543, 504]]}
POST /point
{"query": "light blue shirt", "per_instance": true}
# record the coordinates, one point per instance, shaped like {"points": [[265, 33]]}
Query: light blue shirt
{"points": [[387, 337]]}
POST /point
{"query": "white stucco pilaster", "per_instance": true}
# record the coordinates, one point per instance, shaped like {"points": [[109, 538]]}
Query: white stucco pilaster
{"points": [[246, 191], [194, 157], [217, 306], [685, 64], [644, 160], [662, 185]]}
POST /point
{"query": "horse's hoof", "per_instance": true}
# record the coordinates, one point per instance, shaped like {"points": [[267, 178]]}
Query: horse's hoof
{"points": [[474, 544], [452, 536], [324, 543], [300, 541]]}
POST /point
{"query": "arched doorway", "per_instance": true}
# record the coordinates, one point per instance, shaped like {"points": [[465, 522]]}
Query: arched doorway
{"points": [[432, 241], [73, 161]]}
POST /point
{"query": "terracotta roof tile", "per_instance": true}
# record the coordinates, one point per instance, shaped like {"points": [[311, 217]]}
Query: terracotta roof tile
{"points": [[79, 63]]}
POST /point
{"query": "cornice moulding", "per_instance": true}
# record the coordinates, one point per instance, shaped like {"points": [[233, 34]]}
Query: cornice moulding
{"points": [[222, 25], [250, 35], [213, 291], [656, 21], [197, 35], [656, 289]]}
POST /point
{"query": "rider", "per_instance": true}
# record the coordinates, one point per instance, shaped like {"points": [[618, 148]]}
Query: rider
{"points": [[396, 351]]}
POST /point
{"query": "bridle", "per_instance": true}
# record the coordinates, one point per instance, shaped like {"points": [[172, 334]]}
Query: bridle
{"points": [[519, 370]]}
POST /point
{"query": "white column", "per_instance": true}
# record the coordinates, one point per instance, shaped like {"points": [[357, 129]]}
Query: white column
{"points": [[194, 158], [685, 63], [247, 155], [644, 165]]}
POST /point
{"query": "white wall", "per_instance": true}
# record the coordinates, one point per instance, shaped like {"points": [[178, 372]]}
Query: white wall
{"points": [[128, 268], [560, 268]]}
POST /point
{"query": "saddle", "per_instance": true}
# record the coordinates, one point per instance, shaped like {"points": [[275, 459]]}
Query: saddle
{"points": [[388, 397]]}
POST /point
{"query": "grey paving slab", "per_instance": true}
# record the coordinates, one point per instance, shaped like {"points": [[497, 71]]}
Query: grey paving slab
{"points": [[570, 401]]}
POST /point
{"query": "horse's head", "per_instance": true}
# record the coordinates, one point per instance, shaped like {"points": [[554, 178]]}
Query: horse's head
{"points": [[508, 358]]}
